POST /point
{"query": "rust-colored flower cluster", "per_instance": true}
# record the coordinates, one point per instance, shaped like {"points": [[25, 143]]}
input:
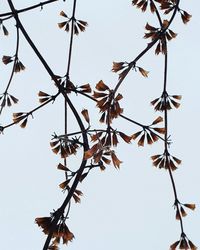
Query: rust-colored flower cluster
{"points": [[166, 161], [110, 138], [7, 100], [101, 151], [60, 231], [7, 59], [79, 25], [43, 97], [119, 66], [163, 35], [64, 146], [19, 66], [185, 16], [143, 4], [148, 133], [107, 103], [77, 193], [21, 116], [166, 102], [180, 211], [44, 223], [152, 32], [69, 86], [167, 5], [184, 243], [85, 88]]}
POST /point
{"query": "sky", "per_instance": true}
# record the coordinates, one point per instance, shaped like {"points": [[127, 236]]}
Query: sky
{"points": [[130, 208]]}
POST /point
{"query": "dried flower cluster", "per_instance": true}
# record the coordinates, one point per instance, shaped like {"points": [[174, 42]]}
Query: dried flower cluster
{"points": [[60, 231], [64, 147], [162, 34], [166, 102], [18, 117], [7, 99], [108, 104], [78, 25]]}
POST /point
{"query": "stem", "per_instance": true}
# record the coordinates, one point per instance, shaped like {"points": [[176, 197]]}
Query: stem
{"points": [[65, 129], [41, 4], [68, 70], [13, 68], [71, 39], [166, 136], [157, 13]]}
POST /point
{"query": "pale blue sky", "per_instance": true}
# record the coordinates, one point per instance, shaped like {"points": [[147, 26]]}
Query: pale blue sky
{"points": [[126, 209]]}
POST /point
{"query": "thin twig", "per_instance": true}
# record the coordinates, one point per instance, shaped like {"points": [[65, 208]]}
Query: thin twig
{"points": [[41, 4], [13, 67]]}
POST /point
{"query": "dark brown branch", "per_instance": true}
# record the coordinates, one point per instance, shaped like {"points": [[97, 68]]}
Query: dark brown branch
{"points": [[157, 13], [60, 211], [166, 137], [71, 39], [68, 68], [41, 4]]}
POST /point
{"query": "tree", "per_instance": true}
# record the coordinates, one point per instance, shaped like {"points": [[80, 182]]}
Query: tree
{"points": [[83, 144]]}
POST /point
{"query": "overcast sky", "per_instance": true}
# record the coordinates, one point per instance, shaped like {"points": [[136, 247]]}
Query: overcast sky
{"points": [[127, 209]]}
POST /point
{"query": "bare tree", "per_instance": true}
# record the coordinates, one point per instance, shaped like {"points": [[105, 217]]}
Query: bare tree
{"points": [[96, 143]]}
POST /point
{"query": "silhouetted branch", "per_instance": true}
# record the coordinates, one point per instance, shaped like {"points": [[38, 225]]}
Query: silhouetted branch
{"points": [[41, 4]]}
